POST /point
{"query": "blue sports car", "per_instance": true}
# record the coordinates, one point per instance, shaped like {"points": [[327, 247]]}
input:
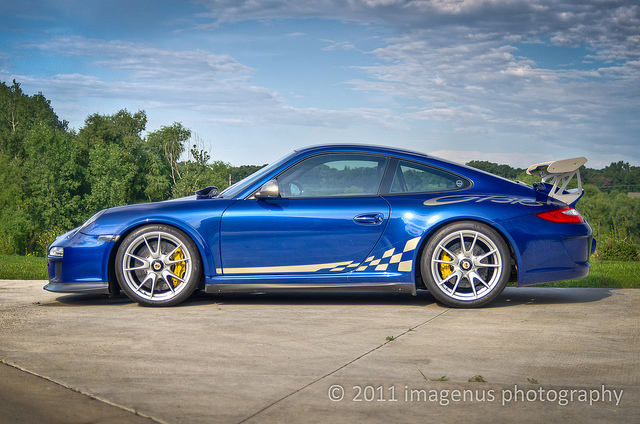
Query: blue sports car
{"points": [[341, 217]]}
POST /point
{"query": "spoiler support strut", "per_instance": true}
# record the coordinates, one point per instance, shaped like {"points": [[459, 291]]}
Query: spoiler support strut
{"points": [[561, 172]]}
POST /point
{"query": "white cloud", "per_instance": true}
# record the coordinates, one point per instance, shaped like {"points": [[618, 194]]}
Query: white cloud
{"points": [[453, 70], [612, 29], [482, 87], [148, 62], [216, 86], [337, 45]]}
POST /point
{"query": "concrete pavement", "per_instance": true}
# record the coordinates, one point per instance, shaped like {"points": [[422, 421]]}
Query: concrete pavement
{"points": [[28, 398], [535, 355]]}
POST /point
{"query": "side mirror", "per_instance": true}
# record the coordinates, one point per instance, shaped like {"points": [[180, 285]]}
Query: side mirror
{"points": [[269, 190]]}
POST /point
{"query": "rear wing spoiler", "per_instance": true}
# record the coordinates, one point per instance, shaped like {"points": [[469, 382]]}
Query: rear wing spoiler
{"points": [[561, 172]]}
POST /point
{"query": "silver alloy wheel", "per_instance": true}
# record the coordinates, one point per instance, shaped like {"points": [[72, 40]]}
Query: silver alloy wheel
{"points": [[156, 266], [466, 265]]}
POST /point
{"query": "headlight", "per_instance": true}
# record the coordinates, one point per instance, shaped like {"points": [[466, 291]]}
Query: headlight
{"points": [[56, 251]]}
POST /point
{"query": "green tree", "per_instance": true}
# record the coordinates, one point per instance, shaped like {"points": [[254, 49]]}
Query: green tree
{"points": [[504, 171], [196, 173], [14, 223], [114, 158], [23, 119], [237, 173], [165, 147], [52, 198], [19, 113]]}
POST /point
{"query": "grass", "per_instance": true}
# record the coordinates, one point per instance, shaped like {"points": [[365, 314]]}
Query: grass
{"points": [[14, 267], [606, 274], [443, 378]]}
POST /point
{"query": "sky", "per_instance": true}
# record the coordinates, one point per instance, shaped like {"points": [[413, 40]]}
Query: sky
{"points": [[508, 81]]}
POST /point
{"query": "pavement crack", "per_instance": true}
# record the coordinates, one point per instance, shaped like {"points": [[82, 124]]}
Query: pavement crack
{"points": [[73, 389], [342, 366]]}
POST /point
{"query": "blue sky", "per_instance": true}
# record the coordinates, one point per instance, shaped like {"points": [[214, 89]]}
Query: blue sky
{"points": [[507, 81]]}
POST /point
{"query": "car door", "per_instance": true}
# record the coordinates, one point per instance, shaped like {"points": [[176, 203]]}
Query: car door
{"points": [[327, 218]]}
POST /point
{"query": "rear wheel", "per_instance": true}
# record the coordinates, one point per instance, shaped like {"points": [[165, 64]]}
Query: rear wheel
{"points": [[466, 264], [158, 265]]}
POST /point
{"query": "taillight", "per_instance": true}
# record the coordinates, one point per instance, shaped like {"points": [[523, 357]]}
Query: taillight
{"points": [[566, 215]]}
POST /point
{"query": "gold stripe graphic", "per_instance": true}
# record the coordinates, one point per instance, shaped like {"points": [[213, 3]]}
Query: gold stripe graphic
{"points": [[290, 269]]}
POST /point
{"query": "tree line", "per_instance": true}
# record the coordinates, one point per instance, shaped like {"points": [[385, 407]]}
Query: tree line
{"points": [[54, 177]]}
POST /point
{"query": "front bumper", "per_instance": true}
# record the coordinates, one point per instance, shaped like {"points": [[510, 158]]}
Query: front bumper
{"points": [[96, 288], [83, 268]]}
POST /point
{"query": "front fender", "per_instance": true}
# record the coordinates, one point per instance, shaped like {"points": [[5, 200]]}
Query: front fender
{"points": [[210, 260]]}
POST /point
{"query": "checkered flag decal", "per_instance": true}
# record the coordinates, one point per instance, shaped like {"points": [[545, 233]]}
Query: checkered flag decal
{"points": [[392, 261]]}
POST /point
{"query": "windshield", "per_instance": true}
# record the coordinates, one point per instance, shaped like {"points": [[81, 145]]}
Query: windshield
{"points": [[235, 189]]}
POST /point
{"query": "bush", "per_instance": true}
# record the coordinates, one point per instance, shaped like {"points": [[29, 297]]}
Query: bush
{"points": [[617, 245], [44, 238]]}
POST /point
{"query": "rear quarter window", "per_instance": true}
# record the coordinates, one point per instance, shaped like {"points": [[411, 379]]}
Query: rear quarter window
{"points": [[411, 177]]}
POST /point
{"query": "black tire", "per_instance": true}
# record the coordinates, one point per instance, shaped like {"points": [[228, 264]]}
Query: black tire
{"points": [[466, 264], [158, 277]]}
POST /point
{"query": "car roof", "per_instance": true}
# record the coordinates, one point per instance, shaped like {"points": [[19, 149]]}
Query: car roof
{"points": [[370, 148]]}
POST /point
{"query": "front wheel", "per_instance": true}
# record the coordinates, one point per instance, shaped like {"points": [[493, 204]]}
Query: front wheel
{"points": [[466, 264], [158, 265]]}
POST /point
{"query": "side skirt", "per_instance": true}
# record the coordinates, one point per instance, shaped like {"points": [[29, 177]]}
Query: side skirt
{"points": [[296, 287]]}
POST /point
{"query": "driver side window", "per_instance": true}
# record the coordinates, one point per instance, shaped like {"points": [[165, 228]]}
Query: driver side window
{"points": [[333, 175]]}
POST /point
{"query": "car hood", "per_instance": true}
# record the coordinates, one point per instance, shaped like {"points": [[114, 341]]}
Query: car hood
{"points": [[183, 211]]}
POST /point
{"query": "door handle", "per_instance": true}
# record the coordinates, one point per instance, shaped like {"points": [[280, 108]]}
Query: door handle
{"points": [[369, 219]]}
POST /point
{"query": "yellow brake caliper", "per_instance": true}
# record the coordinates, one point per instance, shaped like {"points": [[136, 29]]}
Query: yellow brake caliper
{"points": [[179, 268], [445, 269]]}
